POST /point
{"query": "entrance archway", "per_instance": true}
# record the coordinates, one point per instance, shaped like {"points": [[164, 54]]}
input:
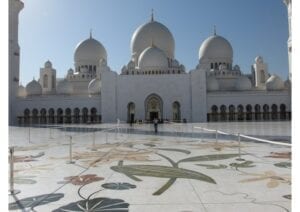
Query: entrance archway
{"points": [[176, 112], [93, 115], [153, 107], [130, 112]]}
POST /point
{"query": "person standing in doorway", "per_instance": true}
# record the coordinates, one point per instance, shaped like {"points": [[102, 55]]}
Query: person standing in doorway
{"points": [[155, 121]]}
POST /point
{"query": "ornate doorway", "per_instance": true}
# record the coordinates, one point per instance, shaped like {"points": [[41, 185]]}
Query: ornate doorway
{"points": [[153, 107], [130, 112]]}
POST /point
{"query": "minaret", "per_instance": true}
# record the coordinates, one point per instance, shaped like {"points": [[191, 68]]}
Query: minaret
{"points": [[15, 6], [48, 78], [152, 15], [288, 4]]}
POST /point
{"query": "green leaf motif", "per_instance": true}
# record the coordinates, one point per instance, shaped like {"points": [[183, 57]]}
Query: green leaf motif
{"points": [[31, 202], [283, 164], [118, 186], [209, 158], [161, 172], [175, 150], [150, 145], [208, 166], [97, 204], [246, 164], [172, 173]]}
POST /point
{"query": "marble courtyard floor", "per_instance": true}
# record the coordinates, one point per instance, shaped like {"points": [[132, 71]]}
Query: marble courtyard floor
{"points": [[132, 169]]}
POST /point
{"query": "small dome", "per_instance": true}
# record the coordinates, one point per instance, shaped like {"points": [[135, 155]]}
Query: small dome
{"points": [[153, 57], [243, 83], [287, 84], [216, 47], [259, 60], [212, 84], [90, 50], [21, 91], [70, 71], [33, 88], [94, 86], [48, 64], [274, 83], [152, 31], [236, 68], [64, 87]]}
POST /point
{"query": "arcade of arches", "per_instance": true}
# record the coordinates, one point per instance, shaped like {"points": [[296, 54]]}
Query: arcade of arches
{"points": [[153, 109], [263, 112], [60, 116]]}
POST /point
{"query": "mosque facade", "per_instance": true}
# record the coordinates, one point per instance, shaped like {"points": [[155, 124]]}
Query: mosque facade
{"points": [[153, 84]]}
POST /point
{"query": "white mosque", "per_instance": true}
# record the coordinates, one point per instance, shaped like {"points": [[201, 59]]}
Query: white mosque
{"points": [[153, 84]]}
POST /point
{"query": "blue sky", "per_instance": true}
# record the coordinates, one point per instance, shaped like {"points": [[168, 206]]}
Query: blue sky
{"points": [[51, 30]]}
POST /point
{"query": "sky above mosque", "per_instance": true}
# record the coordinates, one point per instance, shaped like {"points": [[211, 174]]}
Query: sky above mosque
{"points": [[52, 29]]}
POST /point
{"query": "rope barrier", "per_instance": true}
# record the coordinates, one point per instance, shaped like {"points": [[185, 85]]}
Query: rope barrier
{"points": [[266, 141], [224, 133], [244, 136], [205, 129]]}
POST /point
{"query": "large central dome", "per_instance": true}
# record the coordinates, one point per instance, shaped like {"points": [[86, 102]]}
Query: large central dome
{"points": [[89, 50], [216, 47], [153, 57], [152, 32]]}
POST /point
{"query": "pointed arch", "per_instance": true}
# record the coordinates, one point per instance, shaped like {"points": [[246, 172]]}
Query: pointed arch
{"points": [[153, 107], [76, 113], [51, 118], [130, 112], [240, 112], [282, 112], [257, 113], [176, 111], [274, 109], [248, 112], [93, 115], [223, 115], [266, 112], [59, 116], [231, 116], [85, 113]]}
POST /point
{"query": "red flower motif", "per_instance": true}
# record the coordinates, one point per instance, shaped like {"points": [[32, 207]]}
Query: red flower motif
{"points": [[83, 179]]}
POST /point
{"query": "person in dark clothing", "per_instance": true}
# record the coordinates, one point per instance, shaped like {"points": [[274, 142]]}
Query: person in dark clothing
{"points": [[155, 122]]}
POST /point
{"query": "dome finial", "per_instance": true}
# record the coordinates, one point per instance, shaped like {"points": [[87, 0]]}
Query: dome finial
{"points": [[152, 15], [91, 33], [215, 30]]}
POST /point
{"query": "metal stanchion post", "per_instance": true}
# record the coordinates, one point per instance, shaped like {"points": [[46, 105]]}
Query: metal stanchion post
{"points": [[106, 137], [70, 152], [216, 136], [29, 134], [239, 140], [201, 133], [93, 147], [50, 133], [11, 191]]}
